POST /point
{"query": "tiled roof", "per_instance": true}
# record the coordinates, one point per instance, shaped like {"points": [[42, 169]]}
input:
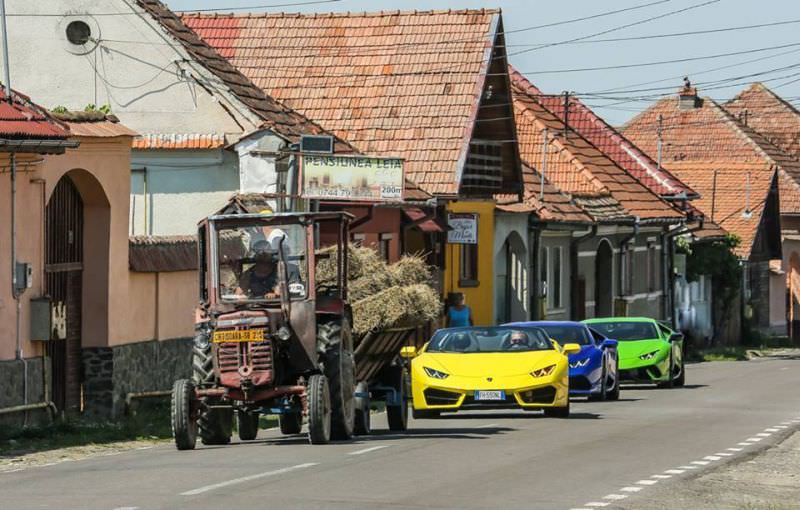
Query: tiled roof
{"points": [[403, 84], [581, 170], [702, 141], [93, 124], [607, 139], [552, 205], [155, 254], [22, 119], [767, 113], [179, 141], [276, 117]]}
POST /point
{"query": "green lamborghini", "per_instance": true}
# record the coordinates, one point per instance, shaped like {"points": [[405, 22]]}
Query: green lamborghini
{"points": [[648, 351]]}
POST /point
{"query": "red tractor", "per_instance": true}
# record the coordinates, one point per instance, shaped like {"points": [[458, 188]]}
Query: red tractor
{"points": [[269, 339]]}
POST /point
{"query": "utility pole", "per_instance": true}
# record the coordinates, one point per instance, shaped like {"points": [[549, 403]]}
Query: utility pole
{"points": [[6, 63], [566, 113], [659, 132], [544, 164], [713, 194]]}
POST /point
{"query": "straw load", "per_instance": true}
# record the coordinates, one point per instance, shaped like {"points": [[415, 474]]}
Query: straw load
{"points": [[384, 295]]}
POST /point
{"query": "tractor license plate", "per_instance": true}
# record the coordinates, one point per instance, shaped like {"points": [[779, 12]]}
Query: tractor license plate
{"points": [[490, 395], [244, 335]]}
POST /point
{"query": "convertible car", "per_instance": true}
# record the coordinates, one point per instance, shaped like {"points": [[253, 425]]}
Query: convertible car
{"points": [[502, 367], [593, 371], [649, 351]]}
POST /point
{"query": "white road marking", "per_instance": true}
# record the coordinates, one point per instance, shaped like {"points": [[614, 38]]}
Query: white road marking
{"points": [[675, 471], [735, 449], [763, 434], [489, 426], [724, 454], [244, 479], [367, 450], [127, 508], [781, 427], [688, 467], [711, 457], [661, 477], [752, 439], [631, 489], [615, 497], [701, 462], [647, 482], [771, 429], [597, 504], [786, 423], [744, 444]]}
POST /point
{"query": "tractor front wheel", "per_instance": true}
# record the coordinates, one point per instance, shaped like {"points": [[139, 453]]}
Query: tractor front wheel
{"points": [[248, 424], [216, 426], [340, 371], [319, 410], [291, 423], [184, 423]]}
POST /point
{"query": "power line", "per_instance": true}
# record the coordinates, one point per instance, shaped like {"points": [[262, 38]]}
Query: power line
{"points": [[135, 12]]}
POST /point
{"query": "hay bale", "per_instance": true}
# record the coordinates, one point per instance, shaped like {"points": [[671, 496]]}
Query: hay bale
{"points": [[411, 270], [408, 306]]}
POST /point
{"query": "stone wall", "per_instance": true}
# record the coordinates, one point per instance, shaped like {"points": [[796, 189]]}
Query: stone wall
{"points": [[11, 390]]}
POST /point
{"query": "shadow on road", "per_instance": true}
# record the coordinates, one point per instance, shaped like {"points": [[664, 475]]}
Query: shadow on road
{"points": [[653, 387]]}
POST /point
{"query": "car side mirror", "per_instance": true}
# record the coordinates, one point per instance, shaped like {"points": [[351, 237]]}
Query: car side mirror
{"points": [[408, 352], [608, 343], [572, 348], [676, 337]]}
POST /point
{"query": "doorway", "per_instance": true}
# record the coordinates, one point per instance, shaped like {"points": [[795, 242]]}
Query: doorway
{"points": [[603, 289]]}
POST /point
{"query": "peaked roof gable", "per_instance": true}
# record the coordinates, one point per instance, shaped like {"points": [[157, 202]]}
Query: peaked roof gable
{"points": [[776, 119], [403, 84], [611, 142], [280, 119]]}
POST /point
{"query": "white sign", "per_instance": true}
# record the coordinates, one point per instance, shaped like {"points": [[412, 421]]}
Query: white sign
{"points": [[463, 228], [352, 178]]}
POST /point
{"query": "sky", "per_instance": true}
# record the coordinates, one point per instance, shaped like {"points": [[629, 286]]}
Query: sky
{"points": [[560, 65]]}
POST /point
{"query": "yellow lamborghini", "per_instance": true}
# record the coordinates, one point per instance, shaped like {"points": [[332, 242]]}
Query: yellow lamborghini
{"points": [[503, 367]]}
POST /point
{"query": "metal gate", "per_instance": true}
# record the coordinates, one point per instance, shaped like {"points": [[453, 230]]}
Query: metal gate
{"points": [[64, 269]]}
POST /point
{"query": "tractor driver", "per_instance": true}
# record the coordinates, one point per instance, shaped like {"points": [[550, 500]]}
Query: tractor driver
{"points": [[261, 280]]}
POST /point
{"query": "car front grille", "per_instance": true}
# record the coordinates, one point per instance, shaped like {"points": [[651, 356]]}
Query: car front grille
{"points": [[544, 395], [434, 397], [253, 359]]}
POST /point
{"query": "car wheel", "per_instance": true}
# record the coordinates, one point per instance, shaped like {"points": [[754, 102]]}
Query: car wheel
{"points": [[681, 380], [670, 383], [602, 394], [614, 393], [557, 412]]}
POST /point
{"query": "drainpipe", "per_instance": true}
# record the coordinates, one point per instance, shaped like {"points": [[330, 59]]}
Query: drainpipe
{"points": [[573, 267], [622, 245], [535, 237]]}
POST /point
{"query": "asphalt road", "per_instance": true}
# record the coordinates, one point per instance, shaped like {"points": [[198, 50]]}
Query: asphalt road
{"points": [[606, 453]]}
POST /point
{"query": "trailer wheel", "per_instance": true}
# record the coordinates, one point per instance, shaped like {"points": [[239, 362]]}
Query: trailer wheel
{"points": [[319, 410], [397, 415], [184, 424], [362, 426], [216, 426], [291, 423], [248, 424], [340, 371]]}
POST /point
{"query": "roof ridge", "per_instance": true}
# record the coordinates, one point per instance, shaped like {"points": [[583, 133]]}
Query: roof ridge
{"points": [[337, 14], [759, 86]]}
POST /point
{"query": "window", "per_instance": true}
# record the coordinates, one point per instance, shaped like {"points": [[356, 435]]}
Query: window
{"points": [[469, 265], [555, 279], [385, 246]]}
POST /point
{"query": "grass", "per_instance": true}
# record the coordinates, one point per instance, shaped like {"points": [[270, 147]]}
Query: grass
{"points": [[150, 423], [739, 352], [724, 354]]}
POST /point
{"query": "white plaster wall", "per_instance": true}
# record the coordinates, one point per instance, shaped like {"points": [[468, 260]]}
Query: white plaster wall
{"points": [[135, 68], [182, 188]]}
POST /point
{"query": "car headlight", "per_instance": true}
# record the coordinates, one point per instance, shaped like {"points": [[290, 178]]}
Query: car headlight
{"points": [[435, 374], [544, 372], [649, 355], [580, 363]]}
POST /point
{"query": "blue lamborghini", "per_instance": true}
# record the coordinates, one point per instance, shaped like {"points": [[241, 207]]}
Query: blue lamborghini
{"points": [[593, 372]]}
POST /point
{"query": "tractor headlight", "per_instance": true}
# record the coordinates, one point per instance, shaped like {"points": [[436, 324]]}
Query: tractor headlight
{"points": [[202, 339], [649, 355], [544, 372], [580, 363], [435, 374], [283, 334]]}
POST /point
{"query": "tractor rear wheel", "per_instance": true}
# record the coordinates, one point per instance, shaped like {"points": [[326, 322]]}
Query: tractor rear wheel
{"points": [[291, 423], [397, 415], [216, 426], [184, 424], [248, 424], [319, 410], [202, 365], [340, 370]]}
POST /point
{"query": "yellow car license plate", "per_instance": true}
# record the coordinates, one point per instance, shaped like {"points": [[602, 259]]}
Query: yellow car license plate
{"points": [[243, 335]]}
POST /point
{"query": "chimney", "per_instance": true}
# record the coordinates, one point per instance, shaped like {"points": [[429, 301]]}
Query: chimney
{"points": [[687, 96]]}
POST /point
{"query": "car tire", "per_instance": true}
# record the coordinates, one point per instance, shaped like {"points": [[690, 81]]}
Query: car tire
{"points": [[603, 393], [614, 393], [670, 383], [557, 412], [681, 380]]}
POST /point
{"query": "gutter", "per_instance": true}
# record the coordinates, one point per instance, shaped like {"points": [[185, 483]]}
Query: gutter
{"points": [[45, 146]]}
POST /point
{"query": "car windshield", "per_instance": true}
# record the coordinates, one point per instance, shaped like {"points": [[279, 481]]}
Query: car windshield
{"points": [[499, 339], [566, 334], [627, 330], [248, 262]]}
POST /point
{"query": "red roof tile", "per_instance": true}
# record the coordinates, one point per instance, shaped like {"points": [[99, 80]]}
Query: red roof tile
{"points": [[547, 202], [179, 141], [403, 84], [578, 168], [770, 115], [22, 119]]}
